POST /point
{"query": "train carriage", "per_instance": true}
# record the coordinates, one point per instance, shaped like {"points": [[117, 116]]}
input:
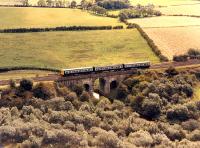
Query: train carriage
{"points": [[74, 71], [145, 64], [107, 68], [88, 70]]}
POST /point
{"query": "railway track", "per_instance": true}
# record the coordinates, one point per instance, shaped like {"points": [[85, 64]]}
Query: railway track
{"points": [[164, 65]]}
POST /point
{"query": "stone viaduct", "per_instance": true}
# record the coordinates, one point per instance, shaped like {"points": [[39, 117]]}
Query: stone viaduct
{"points": [[107, 80]]}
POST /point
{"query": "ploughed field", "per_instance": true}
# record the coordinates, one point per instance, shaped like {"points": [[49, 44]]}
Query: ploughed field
{"points": [[163, 2], [73, 49], [50, 17], [173, 35]]}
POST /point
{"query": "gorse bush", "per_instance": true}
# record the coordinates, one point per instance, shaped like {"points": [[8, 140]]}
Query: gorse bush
{"points": [[43, 91], [26, 84]]}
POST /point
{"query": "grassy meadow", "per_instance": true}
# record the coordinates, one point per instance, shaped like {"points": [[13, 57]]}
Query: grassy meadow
{"points": [[50, 17], [73, 49]]}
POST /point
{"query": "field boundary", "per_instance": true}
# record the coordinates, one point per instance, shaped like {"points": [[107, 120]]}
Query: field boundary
{"points": [[150, 42], [62, 28], [6, 69]]}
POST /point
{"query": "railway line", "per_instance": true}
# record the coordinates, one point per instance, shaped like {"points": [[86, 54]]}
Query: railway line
{"points": [[53, 77]]}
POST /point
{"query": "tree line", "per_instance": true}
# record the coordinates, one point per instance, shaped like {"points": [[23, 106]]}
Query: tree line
{"points": [[64, 28]]}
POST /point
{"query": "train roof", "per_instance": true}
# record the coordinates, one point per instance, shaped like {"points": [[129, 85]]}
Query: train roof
{"points": [[139, 62], [77, 68], [109, 65]]}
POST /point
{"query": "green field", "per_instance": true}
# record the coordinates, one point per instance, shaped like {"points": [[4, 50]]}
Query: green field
{"points": [[73, 49], [50, 17]]}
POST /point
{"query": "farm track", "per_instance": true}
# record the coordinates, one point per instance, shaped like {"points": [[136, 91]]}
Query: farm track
{"points": [[54, 77]]}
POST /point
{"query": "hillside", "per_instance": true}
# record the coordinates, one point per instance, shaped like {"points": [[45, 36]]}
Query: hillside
{"points": [[150, 110]]}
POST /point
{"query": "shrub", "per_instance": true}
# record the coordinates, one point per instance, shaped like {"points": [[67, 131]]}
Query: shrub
{"points": [[43, 91], [178, 112], [150, 108], [78, 89], [26, 84], [122, 92], [140, 139], [12, 84], [195, 135], [171, 71], [108, 139], [175, 134], [85, 96], [190, 125], [193, 52], [180, 58]]}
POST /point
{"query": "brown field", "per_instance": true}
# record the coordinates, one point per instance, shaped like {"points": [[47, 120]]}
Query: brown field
{"points": [[166, 21], [187, 9], [172, 34], [176, 40]]}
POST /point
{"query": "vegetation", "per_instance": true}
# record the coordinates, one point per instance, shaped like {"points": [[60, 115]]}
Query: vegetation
{"points": [[150, 42], [114, 4], [74, 49], [138, 11], [76, 119], [191, 54]]}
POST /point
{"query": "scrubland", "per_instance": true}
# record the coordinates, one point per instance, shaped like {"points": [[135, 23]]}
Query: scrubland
{"points": [[152, 109]]}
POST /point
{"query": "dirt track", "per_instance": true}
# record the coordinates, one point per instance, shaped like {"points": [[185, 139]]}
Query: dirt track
{"points": [[54, 77]]}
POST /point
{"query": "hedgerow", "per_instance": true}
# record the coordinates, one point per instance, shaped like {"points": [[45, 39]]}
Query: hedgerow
{"points": [[150, 42], [62, 28]]}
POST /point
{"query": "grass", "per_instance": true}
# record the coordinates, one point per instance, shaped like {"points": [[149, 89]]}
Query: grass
{"points": [[50, 17], [19, 74], [196, 95], [73, 49]]}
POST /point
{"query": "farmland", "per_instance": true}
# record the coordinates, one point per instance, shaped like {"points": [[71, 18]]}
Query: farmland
{"points": [[50, 17], [74, 49], [164, 2], [166, 21], [172, 34], [192, 9], [176, 40]]}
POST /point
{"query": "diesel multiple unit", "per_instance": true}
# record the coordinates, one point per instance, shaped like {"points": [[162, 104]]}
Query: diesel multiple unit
{"points": [[118, 67]]}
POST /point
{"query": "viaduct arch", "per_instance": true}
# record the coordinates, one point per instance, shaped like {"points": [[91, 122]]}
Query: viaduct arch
{"points": [[107, 80]]}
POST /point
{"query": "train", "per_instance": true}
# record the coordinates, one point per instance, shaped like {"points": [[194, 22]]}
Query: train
{"points": [[99, 69]]}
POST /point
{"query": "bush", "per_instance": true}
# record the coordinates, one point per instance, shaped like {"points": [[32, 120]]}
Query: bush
{"points": [[26, 84], [12, 84], [150, 108], [114, 4], [171, 71], [193, 52], [195, 135], [180, 58], [122, 92], [43, 91], [78, 89], [85, 96], [178, 112], [140, 139], [190, 125]]}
